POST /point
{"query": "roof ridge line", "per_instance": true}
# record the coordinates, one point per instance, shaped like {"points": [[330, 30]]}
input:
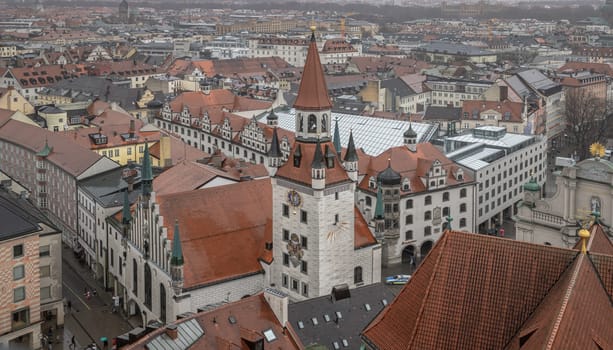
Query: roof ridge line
{"points": [[567, 295], [589, 255], [442, 241]]}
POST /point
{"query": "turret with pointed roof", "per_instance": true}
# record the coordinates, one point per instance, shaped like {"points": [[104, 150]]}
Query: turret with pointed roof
{"points": [[313, 104], [351, 159], [146, 173], [410, 138], [176, 260], [337, 139], [275, 156]]}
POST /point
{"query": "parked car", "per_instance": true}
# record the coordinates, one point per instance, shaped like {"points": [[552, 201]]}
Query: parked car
{"points": [[397, 279]]}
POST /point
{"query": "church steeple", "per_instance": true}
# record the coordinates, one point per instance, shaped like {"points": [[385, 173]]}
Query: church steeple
{"points": [[337, 139], [313, 104], [176, 261]]}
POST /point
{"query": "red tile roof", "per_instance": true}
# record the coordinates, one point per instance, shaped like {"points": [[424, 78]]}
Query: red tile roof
{"points": [[573, 66], [220, 242], [506, 108], [253, 316], [198, 102], [66, 154], [480, 292], [186, 176], [313, 91], [41, 76], [363, 237], [302, 174]]}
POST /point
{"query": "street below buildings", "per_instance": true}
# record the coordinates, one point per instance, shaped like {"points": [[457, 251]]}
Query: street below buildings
{"points": [[89, 318]]}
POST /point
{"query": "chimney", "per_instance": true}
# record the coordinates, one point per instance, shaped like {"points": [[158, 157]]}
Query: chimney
{"points": [[278, 302], [172, 331]]}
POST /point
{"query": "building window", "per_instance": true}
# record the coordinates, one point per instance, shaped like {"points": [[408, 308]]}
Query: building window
{"points": [[117, 152], [44, 250], [286, 210], [463, 208], [20, 319], [304, 267], [129, 151], [294, 284], [462, 222], [305, 289], [408, 220], [427, 231], [45, 271], [357, 275], [428, 215], [304, 242], [285, 235], [45, 293], [285, 259], [446, 211], [303, 217], [409, 204], [428, 200], [18, 272], [19, 294], [17, 251], [445, 196], [284, 280], [463, 193], [134, 277], [408, 235], [368, 201]]}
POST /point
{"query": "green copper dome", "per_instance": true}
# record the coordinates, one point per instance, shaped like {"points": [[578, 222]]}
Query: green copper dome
{"points": [[532, 185]]}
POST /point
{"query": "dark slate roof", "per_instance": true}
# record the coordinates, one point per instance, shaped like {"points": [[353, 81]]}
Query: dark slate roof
{"points": [[442, 113], [108, 187], [389, 176], [18, 216], [401, 89], [354, 316]]}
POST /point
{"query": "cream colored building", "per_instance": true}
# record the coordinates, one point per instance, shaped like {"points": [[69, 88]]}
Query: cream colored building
{"points": [[581, 189], [12, 100], [8, 51]]}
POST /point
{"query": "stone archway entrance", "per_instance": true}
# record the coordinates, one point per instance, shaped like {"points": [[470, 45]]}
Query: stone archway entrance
{"points": [[425, 248], [134, 312], [408, 255]]}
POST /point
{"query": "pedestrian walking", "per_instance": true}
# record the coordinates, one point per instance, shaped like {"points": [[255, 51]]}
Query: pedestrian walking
{"points": [[69, 305], [73, 344], [501, 232]]}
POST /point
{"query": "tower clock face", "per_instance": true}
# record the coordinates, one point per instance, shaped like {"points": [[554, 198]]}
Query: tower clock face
{"points": [[293, 198]]}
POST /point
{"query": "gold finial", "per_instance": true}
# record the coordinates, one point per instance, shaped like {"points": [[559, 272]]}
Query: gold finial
{"points": [[313, 27], [597, 150], [584, 234]]}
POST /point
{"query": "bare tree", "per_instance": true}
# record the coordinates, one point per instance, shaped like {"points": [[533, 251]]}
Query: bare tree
{"points": [[588, 120]]}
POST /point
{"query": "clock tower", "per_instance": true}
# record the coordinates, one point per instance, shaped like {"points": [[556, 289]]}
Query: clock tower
{"points": [[314, 216]]}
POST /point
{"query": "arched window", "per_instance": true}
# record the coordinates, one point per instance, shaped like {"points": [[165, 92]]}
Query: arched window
{"points": [[357, 275], [463, 208], [301, 123], [428, 200], [462, 222], [162, 303], [368, 201], [428, 215], [463, 193], [324, 123], [446, 211], [409, 204], [312, 124], [445, 196], [148, 286]]}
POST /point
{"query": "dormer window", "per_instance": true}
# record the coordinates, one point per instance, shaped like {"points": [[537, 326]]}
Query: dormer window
{"points": [[372, 182], [406, 186], [312, 124]]}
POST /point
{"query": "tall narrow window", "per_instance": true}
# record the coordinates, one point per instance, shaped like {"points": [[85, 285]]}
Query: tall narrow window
{"points": [[357, 275]]}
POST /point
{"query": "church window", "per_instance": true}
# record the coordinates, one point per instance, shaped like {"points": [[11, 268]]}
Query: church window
{"points": [[304, 267], [357, 275], [285, 259], [303, 217], [286, 210], [147, 286], [134, 277]]}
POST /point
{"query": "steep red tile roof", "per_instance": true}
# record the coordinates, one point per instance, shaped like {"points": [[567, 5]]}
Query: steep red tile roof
{"points": [[41, 76], [302, 174], [198, 102], [313, 91], [411, 165], [575, 66], [512, 109], [220, 242], [253, 316], [363, 237], [186, 176], [480, 292], [598, 242], [66, 154]]}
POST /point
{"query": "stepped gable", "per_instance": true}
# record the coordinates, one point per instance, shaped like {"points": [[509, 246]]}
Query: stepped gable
{"points": [[313, 91], [471, 292], [302, 173], [220, 243]]}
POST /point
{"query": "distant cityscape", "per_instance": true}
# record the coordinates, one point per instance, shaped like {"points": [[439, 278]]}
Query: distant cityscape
{"points": [[306, 175]]}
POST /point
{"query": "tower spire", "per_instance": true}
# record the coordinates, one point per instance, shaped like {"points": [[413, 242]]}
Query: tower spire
{"points": [[176, 258], [146, 172], [351, 155], [337, 139], [313, 92]]}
